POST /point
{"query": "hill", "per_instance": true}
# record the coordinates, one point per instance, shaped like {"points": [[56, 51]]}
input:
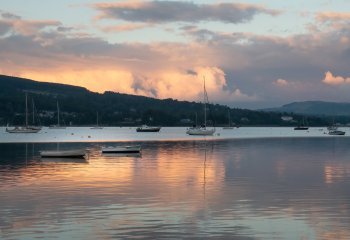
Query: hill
{"points": [[314, 108], [78, 106]]}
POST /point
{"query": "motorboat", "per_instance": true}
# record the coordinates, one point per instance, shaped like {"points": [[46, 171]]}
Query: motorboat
{"points": [[145, 128], [336, 132], [76, 153], [122, 149]]}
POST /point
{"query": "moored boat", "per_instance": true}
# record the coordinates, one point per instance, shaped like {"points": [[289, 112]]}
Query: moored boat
{"points": [[202, 130], [122, 149], [145, 128], [26, 128], [336, 132], [76, 153], [23, 130], [58, 126], [301, 128]]}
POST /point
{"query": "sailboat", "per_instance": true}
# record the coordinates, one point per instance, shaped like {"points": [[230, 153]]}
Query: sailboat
{"points": [[97, 126], [229, 121], [202, 130], [333, 130], [302, 126], [37, 127], [58, 126], [26, 128]]}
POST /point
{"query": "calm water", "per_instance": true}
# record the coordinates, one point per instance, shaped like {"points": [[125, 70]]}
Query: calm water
{"points": [[297, 188]]}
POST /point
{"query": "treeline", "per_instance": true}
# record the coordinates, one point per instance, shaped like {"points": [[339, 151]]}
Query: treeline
{"points": [[79, 107]]}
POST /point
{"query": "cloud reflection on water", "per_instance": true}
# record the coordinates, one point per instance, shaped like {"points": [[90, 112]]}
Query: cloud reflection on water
{"points": [[242, 189]]}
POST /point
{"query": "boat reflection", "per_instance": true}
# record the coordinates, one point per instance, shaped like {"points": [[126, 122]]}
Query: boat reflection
{"points": [[64, 160], [265, 189], [121, 155]]}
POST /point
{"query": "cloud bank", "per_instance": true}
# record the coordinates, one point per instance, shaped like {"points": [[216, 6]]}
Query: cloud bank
{"points": [[177, 11], [239, 66]]}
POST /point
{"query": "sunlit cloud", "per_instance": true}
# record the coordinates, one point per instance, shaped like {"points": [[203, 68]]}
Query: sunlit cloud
{"points": [[332, 16], [177, 11], [124, 27], [335, 80], [162, 84], [238, 66], [281, 82]]}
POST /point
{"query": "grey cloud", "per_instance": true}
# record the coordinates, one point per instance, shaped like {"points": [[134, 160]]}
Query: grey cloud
{"points": [[191, 72], [251, 63], [176, 11], [11, 16], [4, 27]]}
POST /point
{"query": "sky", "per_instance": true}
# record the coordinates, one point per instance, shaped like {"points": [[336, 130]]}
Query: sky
{"points": [[252, 54]]}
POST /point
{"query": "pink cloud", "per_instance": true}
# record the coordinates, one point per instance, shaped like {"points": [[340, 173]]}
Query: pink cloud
{"points": [[332, 16], [124, 27], [281, 82], [335, 80]]}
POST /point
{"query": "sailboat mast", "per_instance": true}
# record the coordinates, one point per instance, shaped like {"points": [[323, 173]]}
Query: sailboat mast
{"points": [[26, 109], [229, 118], [97, 118], [205, 106], [33, 111], [58, 115]]}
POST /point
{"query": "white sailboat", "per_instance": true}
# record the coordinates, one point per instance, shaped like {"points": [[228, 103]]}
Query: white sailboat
{"points": [[36, 127], [58, 126], [97, 126], [202, 130], [26, 128]]}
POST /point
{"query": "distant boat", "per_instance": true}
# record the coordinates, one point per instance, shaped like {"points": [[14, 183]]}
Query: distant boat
{"points": [[145, 128], [26, 128], [22, 129], [302, 126], [34, 127], [121, 149], [229, 121], [333, 130], [77, 153], [97, 126], [58, 126], [202, 130], [336, 132]]}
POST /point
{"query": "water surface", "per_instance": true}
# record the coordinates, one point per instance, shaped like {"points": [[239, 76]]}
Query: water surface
{"points": [[294, 188]]}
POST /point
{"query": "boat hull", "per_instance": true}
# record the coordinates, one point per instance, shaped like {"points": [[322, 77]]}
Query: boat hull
{"points": [[63, 154], [200, 132], [301, 128], [127, 149], [22, 130], [336, 132], [148, 129]]}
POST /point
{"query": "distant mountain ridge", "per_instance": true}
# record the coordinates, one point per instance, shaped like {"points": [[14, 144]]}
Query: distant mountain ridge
{"points": [[79, 107], [314, 108]]}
